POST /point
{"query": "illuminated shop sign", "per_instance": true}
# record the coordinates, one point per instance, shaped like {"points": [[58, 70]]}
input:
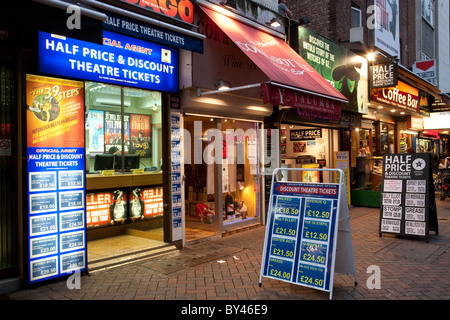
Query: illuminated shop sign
{"points": [[56, 184], [152, 33], [402, 96], [120, 60], [178, 9]]}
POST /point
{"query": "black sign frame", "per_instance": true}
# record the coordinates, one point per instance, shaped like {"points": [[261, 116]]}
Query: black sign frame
{"points": [[408, 203], [305, 134], [382, 70]]}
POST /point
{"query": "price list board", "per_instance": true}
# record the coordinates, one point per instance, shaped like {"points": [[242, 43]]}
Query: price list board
{"points": [[407, 200], [56, 178], [300, 237]]}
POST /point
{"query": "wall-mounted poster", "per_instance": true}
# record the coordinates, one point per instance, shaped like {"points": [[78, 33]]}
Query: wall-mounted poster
{"points": [[95, 125], [299, 146], [56, 181], [97, 209], [145, 203], [113, 133], [140, 130]]}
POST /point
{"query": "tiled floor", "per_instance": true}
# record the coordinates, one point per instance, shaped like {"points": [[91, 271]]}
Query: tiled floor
{"points": [[136, 243]]}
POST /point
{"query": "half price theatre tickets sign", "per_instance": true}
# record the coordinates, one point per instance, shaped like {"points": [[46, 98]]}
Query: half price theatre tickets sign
{"points": [[407, 200]]}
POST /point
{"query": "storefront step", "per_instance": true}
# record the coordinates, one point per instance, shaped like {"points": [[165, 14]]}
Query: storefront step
{"points": [[116, 256], [241, 229]]}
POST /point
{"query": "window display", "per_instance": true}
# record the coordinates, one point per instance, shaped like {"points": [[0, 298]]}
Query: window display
{"points": [[136, 145]]}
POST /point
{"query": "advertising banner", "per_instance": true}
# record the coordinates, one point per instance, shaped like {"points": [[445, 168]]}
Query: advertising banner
{"points": [[56, 177], [408, 204], [140, 131], [344, 70], [145, 203], [98, 209], [120, 60], [387, 26]]}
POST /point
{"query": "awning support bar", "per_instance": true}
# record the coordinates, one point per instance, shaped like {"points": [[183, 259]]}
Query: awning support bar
{"points": [[249, 86]]}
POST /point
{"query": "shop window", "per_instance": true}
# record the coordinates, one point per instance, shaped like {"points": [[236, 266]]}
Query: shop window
{"points": [[136, 145]]}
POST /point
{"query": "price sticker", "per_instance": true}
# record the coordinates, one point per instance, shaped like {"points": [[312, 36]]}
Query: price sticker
{"points": [[313, 252], [316, 230], [285, 226], [288, 206], [318, 208], [283, 247], [310, 275], [279, 268]]}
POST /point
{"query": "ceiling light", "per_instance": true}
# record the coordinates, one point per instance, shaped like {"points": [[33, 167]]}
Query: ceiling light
{"points": [[229, 4], [371, 56], [393, 110], [275, 23]]}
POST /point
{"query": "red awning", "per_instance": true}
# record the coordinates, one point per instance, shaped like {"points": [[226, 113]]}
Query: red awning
{"points": [[291, 77]]}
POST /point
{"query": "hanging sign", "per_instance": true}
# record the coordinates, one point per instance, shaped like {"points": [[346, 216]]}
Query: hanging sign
{"points": [[56, 177], [301, 234], [383, 75], [408, 205]]}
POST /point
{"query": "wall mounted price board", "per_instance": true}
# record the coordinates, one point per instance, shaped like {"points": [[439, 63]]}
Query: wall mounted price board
{"points": [[301, 233], [408, 204], [56, 177]]}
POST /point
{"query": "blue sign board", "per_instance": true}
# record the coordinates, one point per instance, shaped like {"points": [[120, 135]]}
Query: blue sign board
{"points": [[120, 60], [56, 193], [301, 233]]}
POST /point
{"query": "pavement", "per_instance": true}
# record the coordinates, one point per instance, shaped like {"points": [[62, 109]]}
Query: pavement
{"points": [[228, 268]]}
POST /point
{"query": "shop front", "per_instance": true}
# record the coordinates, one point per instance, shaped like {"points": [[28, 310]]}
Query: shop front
{"points": [[229, 164], [96, 127]]}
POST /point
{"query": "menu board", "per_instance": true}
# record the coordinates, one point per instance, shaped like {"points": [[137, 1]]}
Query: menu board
{"points": [[407, 198], [56, 178], [301, 234]]}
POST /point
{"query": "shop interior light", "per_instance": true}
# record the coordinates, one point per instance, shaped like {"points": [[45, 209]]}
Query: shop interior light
{"points": [[275, 23], [393, 110], [380, 107], [241, 185], [410, 132], [229, 4], [223, 85]]}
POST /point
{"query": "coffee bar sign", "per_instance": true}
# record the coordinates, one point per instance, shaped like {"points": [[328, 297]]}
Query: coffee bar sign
{"points": [[402, 96]]}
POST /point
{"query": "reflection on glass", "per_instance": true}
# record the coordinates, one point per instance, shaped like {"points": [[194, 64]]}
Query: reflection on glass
{"points": [[135, 146]]}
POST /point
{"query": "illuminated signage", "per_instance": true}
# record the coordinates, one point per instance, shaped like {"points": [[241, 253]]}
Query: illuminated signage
{"points": [[402, 96], [56, 179], [120, 60], [177, 9]]}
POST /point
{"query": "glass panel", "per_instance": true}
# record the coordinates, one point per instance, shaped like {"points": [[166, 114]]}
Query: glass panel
{"points": [[240, 171], [200, 183], [140, 137]]}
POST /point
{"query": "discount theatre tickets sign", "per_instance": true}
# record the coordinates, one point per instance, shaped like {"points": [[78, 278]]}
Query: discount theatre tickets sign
{"points": [[56, 184], [300, 241]]}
